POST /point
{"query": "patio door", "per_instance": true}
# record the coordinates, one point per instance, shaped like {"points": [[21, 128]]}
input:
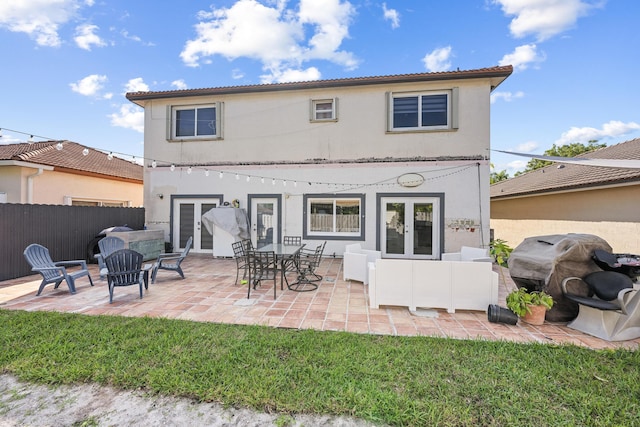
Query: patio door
{"points": [[265, 220], [410, 227], [187, 222]]}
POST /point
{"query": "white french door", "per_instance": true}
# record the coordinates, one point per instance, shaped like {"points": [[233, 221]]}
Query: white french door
{"points": [[409, 227], [187, 221], [264, 221]]}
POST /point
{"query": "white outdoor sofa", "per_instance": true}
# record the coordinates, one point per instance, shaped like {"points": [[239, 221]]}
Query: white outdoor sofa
{"points": [[355, 262], [468, 253], [450, 285]]}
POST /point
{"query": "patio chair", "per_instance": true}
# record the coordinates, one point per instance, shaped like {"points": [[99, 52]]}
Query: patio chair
{"points": [[307, 265], [54, 272], [468, 253], [292, 240], [124, 268], [171, 261], [240, 249], [107, 246], [356, 261], [262, 267], [608, 305], [311, 253]]}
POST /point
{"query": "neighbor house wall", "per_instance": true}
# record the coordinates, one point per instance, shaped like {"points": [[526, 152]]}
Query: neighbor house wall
{"points": [[610, 213]]}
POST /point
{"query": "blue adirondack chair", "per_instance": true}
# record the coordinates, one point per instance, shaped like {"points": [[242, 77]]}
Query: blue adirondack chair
{"points": [[54, 272]]}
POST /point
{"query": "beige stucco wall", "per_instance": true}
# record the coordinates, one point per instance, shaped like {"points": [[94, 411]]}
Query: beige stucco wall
{"points": [[51, 187], [275, 126], [10, 183], [611, 213]]}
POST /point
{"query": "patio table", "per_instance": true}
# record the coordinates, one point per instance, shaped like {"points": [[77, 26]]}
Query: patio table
{"points": [[284, 255]]}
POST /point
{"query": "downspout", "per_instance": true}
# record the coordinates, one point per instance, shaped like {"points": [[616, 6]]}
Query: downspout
{"points": [[30, 185]]}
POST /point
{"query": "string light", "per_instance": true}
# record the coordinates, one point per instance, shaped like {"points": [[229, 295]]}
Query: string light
{"points": [[345, 186]]}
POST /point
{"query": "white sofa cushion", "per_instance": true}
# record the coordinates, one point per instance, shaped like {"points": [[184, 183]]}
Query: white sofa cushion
{"points": [[355, 260]]}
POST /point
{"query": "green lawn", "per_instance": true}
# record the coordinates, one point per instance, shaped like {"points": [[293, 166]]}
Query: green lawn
{"points": [[413, 381]]}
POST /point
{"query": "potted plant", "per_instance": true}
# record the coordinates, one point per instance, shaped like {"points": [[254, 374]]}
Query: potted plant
{"points": [[530, 306]]}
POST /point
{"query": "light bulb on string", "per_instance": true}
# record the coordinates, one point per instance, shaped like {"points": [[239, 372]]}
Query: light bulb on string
{"points": [[220, 175], [0, 132], [273, 181], [284, 183], [85, 152], [248, 178], [173, 167], [110, 156], [59, 146], [154, 164], [30, 140], [295, 183], [189, 170], [206, 172], [237, 176], [262, 180]]}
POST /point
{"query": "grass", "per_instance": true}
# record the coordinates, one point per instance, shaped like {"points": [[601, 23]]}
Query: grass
{"points": [[408, 381]]}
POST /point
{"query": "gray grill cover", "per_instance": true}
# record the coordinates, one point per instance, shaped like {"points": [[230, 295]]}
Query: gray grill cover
{"points": [[232, 220], [540, 263]]}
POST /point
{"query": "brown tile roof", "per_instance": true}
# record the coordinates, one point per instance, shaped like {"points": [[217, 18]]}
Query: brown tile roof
{"points": [[499, 73], [71, 159], [563, 177]]}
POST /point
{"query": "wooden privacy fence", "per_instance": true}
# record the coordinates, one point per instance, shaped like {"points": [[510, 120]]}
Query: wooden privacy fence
{"points": [[67, 231]]}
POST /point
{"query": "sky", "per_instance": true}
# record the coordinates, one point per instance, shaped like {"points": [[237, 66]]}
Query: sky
{"points": [[67, 64]]}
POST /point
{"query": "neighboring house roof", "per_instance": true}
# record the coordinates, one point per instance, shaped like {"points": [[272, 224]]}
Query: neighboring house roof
{"points": [[560, 177], [499, 74], [72, 160]]}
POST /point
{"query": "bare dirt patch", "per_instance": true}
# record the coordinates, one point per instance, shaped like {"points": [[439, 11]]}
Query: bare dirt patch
{"points": [[24, 404]]}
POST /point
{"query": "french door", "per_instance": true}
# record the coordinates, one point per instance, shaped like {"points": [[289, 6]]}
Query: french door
{"points": [[265, 220], [187, 221], [410, 227]]}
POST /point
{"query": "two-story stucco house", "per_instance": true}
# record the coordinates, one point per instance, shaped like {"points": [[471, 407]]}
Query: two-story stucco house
{"points": [[399, 163]]}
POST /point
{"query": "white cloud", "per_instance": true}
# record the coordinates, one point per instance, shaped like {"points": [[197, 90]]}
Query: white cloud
{"points": [[90, 85], [40, 19], [506, 96], [130, 117], [274, 36], [522, 57], [179, 84], [544, 18], [438, 60], [236, 74], [612, 129], [391, 15], [86, 36], [527, 147], [136, 85], [291, 75]]}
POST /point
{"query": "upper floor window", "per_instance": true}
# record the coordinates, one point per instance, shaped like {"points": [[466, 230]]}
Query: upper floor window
{"points": [[334, 216], [201, 122], [420, 111], [324, 109]]}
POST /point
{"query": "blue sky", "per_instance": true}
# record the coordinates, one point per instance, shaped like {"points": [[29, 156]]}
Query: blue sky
{"points": [[67, 64]]}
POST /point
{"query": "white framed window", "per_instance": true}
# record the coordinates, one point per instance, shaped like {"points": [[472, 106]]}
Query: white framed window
{"points": [[324, 110], [332, 216], [196, 122], [410, 111]]}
